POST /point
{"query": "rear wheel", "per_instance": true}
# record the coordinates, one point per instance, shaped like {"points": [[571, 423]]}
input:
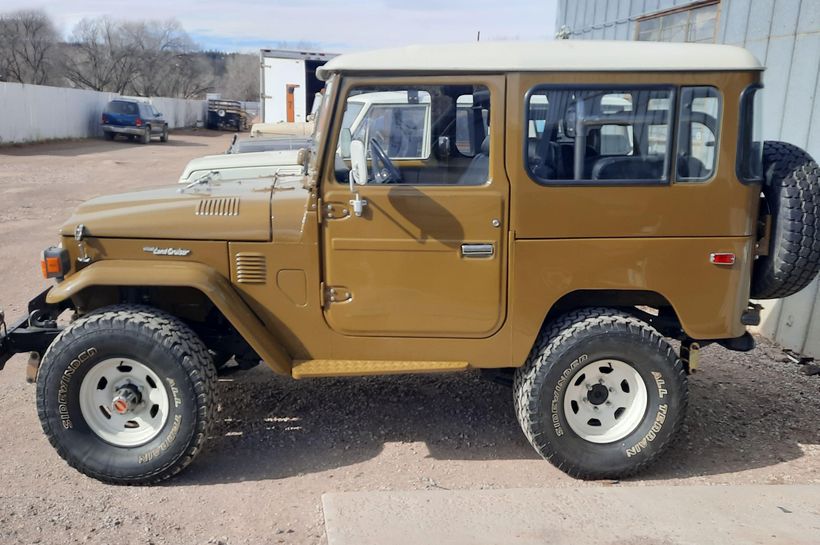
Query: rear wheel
{"points": [[108, 135], [127, 395], [145, 137], [601, 394]]}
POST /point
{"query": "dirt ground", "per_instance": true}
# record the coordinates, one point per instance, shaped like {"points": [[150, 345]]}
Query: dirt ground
{"points": [[280, 444]]}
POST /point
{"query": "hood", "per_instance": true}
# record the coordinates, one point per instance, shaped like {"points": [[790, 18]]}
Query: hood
{"points": [[234, 166], [237, 211]]}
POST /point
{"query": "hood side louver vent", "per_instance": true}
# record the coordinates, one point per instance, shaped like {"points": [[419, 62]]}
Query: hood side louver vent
{"points": [[218, 207], [251, 268]]}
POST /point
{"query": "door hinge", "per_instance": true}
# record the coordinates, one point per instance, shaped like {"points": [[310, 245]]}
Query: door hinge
{"points": [[335, 294], [334, 211], [319, 213]]}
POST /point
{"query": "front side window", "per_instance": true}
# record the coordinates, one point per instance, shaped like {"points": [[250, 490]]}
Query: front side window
{"points": [[594, 136], [400, 129], [698, 127], [750, 142], [418, 134]]}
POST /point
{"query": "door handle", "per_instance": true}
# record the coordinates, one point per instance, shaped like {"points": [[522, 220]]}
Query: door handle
{"points": [[477, 250]]}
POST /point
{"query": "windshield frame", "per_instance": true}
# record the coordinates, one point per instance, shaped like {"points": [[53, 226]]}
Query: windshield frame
{"points": [[320, 128]]}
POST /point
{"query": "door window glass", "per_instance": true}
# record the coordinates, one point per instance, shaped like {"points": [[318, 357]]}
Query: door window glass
{"points": [[429, 135]]}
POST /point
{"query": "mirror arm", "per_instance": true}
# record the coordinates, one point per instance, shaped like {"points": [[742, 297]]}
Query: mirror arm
{"points": [[356, 202]]}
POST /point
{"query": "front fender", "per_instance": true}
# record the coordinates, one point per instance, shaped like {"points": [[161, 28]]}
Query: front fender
{"points": [[180, 274]]}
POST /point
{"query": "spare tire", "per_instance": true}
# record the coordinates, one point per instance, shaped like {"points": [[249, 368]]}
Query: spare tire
{"points": [[791, 193]]}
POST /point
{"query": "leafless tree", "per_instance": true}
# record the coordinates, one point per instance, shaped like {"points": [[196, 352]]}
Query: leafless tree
{"points": [[98, 58], [241, 78], [28, 49]]}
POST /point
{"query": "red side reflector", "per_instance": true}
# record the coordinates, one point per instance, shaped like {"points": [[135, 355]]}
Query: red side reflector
{"points": [[725, 258]]}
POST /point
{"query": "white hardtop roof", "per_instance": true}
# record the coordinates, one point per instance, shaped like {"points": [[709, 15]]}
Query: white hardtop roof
{"points": [[559, 55]]}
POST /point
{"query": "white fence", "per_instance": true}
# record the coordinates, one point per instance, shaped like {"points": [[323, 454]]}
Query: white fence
{"points": [[30, 113]]}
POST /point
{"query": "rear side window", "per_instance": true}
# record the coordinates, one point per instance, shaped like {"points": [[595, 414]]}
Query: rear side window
{"points": [[599, 135], [750, 142], [698, 128], [122, 107]]}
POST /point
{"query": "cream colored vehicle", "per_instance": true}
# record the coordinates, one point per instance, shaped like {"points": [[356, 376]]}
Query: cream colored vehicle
{"points": [[360, 111], [552, 214]]}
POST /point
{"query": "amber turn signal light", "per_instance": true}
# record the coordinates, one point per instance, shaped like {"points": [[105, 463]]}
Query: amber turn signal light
{"points": [[54, 262]]}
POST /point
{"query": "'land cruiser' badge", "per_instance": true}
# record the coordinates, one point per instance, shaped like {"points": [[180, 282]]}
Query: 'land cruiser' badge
{"points": [[166, 251]]}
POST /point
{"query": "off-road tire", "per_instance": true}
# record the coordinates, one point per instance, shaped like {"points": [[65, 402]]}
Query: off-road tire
{"points": [[108, 135], [145, 138], [791, 192], [164, 137], [565, 347], [165, 345]]}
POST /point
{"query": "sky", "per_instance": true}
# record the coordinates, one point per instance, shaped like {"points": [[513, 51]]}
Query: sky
{"points": [[329, 25]]}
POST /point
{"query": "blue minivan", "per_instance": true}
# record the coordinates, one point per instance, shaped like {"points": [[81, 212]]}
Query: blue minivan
{"points": [[134, 119]]}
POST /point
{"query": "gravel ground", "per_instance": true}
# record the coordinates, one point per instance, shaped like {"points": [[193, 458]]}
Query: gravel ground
{"points": [[280, 444]]}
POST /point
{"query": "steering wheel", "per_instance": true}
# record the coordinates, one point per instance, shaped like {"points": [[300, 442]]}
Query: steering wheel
{"points": [[384, 171]]}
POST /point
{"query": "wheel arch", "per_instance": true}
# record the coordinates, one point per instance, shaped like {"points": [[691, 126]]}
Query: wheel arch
{"points": [[99, 279], [651, 306]]}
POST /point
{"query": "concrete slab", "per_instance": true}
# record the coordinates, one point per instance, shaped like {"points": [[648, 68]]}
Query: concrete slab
{"points": [[617, 515]]}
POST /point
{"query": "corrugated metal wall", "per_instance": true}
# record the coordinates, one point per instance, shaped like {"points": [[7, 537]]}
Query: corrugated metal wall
{"points": [[785, 36]]}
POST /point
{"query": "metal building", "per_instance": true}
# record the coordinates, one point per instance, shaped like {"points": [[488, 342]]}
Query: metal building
{"points": [[785, 36]]}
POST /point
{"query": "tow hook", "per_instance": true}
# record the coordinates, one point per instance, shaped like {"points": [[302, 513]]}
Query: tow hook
{"points": [[751, 316]]}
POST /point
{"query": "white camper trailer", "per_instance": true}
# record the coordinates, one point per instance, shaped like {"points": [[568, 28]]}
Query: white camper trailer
{"points": [[288, 84]]}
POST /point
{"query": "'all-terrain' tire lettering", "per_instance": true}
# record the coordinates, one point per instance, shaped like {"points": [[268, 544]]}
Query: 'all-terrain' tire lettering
{"points": [[150, 455], [559, 387], [174, 391], [660, 383], [65, 379], [660, 418]]}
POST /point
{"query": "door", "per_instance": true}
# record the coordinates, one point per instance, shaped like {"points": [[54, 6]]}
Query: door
{"points": [[427, 256], [290, 102]]}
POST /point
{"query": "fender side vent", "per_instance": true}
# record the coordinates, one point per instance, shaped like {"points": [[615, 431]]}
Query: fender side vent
{"points": [[218, 207], [251, 268]]}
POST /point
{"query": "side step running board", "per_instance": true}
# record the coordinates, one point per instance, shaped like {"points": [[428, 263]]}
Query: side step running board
{"points": [[336, 368]]}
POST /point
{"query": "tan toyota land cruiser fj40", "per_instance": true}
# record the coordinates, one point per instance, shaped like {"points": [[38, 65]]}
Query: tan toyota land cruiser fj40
{"points": [[552, 213]]}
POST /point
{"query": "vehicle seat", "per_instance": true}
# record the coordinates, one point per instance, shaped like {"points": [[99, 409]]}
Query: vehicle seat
{"points": [[479, 169], [628, 168], [691, 167]]}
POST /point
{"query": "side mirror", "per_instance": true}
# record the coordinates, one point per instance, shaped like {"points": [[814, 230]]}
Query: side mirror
{"points": [[159, 114], [358, 163], [443, 147], [344, 142]]}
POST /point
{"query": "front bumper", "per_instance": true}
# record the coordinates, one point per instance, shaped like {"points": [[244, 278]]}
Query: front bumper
{"points": [[31, 333], [138, 131]]}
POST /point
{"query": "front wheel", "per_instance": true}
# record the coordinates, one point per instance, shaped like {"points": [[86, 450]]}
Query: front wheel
{"points": [[601, 394], [164, 136], [127, 395]]}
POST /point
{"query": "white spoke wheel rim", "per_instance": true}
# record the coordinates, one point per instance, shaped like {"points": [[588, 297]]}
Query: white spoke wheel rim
{"points": [[605, 401], [146, 413]]}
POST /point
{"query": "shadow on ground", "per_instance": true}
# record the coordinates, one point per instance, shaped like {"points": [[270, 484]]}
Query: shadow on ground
{"points": [[272, 428]]}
